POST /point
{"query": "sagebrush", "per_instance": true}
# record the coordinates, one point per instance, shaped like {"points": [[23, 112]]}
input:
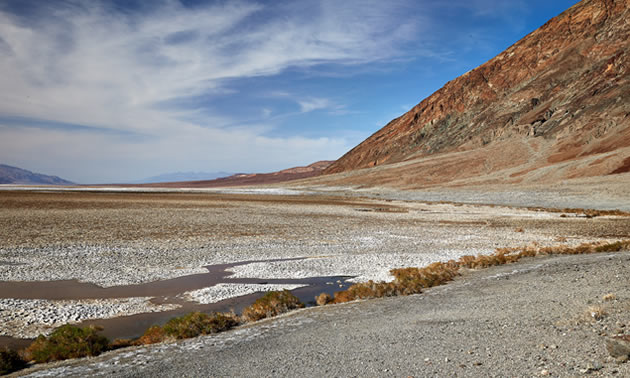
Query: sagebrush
{"points": [[190, 325], [272, 304], [68, 341], [10, 361], [412, 280]]}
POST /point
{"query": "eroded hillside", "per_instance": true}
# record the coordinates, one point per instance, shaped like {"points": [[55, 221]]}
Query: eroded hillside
{"points": [[555, 105]]}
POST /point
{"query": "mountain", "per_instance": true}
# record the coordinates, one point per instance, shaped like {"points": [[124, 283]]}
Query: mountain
{"points": [[183, 176], [14, 175], [554, 105], [244, 179]]}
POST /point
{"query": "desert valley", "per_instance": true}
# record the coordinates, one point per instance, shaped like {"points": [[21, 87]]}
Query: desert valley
{"points": [[485, 232]]}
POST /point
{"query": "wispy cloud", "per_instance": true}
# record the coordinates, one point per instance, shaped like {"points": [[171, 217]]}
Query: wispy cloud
{"points": [[311, 104], [155, 73], [90, 64]]}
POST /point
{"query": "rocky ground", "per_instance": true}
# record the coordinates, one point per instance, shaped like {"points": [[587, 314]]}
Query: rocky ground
{"points": [[547, 316]]}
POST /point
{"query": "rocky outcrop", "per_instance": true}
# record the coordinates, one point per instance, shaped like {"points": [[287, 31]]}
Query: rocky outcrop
{"points": [[559, 94]]}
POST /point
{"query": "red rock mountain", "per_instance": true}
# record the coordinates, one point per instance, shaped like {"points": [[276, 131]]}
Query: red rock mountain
{"points": [[554, 105]]}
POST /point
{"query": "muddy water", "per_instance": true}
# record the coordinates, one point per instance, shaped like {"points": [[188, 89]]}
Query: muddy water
{"points": [[134, 325], [163, 292], [73, 289]]}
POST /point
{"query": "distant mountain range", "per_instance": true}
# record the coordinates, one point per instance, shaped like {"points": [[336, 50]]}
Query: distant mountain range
{"points": [[14, 175], [244, 179], [183, 176]]}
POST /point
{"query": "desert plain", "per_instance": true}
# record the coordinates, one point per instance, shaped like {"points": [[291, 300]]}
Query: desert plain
{"points": [[125, 259]]}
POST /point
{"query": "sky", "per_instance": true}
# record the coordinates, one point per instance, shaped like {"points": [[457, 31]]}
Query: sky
{"points": [[109, 91]]}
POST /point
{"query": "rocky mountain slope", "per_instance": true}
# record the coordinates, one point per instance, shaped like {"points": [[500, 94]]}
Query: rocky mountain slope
{"points": [[555, 105], [14, 175]]}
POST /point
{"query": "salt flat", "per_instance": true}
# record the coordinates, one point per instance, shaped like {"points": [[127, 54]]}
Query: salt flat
{"points": [[29, 318], [122, 238]]}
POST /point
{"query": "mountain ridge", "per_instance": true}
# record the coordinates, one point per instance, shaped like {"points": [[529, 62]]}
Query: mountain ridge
{"points": [[556, 96], [245, 179], [14, 175], [183, 176]]}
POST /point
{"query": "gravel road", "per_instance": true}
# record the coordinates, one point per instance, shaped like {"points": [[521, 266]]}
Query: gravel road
{"points": [[527, 319]]}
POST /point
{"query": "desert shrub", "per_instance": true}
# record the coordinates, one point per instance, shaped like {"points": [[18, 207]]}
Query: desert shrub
{"points": [[596, 312], [581, 249], [385, 289], [155, 334], [466, 261], [364, 290], [609, 297], [121, 343], [613, 247], [197, 323], [412, 280], [66, 342], [187, 326], [10, 361], [526, 252], [500, 257], [505, 256], [271, 304], [407, 281], [323, 299]]}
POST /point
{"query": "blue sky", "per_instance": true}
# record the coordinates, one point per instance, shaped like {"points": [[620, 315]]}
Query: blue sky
{"points": [[114, 91]]}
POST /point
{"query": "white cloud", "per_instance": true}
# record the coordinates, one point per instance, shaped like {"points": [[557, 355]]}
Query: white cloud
{"points": [[87, 64], [311, 104], [266, 112]]}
